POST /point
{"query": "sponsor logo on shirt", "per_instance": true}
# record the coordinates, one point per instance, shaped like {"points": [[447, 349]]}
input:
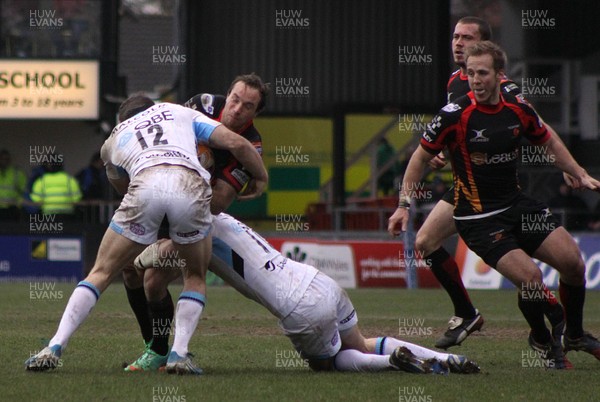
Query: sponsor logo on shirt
{"points": [[481, 158]]}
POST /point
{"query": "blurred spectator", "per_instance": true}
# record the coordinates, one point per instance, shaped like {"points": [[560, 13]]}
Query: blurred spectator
{"points": [[92, 180], [56, 191], [94, 187], [12, 188], [385, 153], [575, 210], [29, 206]]}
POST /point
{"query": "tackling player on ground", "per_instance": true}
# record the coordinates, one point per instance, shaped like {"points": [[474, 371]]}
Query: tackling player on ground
{"points": [[314, 312]]}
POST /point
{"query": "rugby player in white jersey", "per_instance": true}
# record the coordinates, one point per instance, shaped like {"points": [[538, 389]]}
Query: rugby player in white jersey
{"points": [[245, 99], [314, 312], [151, 156]]}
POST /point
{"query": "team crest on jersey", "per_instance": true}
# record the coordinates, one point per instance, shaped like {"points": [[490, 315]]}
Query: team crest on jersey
{"points": [[207, 103], [451, 107], [521, 99]]}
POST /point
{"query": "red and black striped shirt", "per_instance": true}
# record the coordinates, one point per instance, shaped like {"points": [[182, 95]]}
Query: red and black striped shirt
{"points": [[483, 144]]}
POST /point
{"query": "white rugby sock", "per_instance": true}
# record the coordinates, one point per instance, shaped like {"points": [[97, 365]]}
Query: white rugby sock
{"points": [[353, 360], [81, 302], [187, 315], [386, 346]]}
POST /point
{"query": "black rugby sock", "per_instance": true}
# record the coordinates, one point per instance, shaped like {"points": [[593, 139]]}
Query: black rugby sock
{"points": [[533, 311], [573, 298], [139, 305], [162, 313], [447, 273]]}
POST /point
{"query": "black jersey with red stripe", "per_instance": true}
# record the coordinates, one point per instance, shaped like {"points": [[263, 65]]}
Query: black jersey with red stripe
{"points": [[458, 85], [226, 167], [483, 144]]}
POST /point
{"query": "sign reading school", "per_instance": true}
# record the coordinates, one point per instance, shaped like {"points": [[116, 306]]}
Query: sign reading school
{"points": [[45, 89]]}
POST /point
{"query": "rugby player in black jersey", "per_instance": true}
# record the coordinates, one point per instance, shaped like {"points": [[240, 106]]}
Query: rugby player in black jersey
{"points": [[481, 132], [439, 224]]}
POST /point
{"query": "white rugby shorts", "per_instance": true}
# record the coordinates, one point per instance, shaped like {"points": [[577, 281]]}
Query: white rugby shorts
{"points": [[315, 324], [175, 191]]}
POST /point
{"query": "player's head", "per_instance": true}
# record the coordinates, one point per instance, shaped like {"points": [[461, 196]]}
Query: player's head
{"points": [[485, 64], [133, 105], [253, 81], [246, 97], [468, 31]]}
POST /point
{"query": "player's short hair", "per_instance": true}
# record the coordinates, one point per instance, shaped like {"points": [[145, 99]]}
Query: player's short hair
{"points": [[488, 47], [253, 81], [133, 105], [485, 31]]}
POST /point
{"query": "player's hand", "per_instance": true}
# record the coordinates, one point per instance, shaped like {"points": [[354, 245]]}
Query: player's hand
{"points": [[398, 222], [589, 182], [572, 181], [438, 161], [254, 189]]}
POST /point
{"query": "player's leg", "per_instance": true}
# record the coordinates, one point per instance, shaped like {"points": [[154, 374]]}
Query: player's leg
{"points": [[160, 304], [358, 355], [560, 251], [160, 266], [190, 223], [518, 267], [457, 363], [438, 226], [496, 239], [159, 313], [115, 252], [133, 280]]}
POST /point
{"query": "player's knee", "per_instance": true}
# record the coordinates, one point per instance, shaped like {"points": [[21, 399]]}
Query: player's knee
{"points": [[132, 278], [155, 285], [425, 243], [573, 271]]}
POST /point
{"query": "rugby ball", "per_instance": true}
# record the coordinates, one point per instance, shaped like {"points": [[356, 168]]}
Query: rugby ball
{"points": [[205, 156]]}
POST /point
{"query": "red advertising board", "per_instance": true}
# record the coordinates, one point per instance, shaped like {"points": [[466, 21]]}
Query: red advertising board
{"points": [[355, 263]]}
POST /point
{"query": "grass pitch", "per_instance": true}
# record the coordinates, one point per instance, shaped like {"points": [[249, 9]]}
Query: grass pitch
{"points": [[245, 357]]}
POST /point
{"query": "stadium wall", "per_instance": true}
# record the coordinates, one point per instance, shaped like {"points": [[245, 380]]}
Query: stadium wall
{"points": [[318, 54]]}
